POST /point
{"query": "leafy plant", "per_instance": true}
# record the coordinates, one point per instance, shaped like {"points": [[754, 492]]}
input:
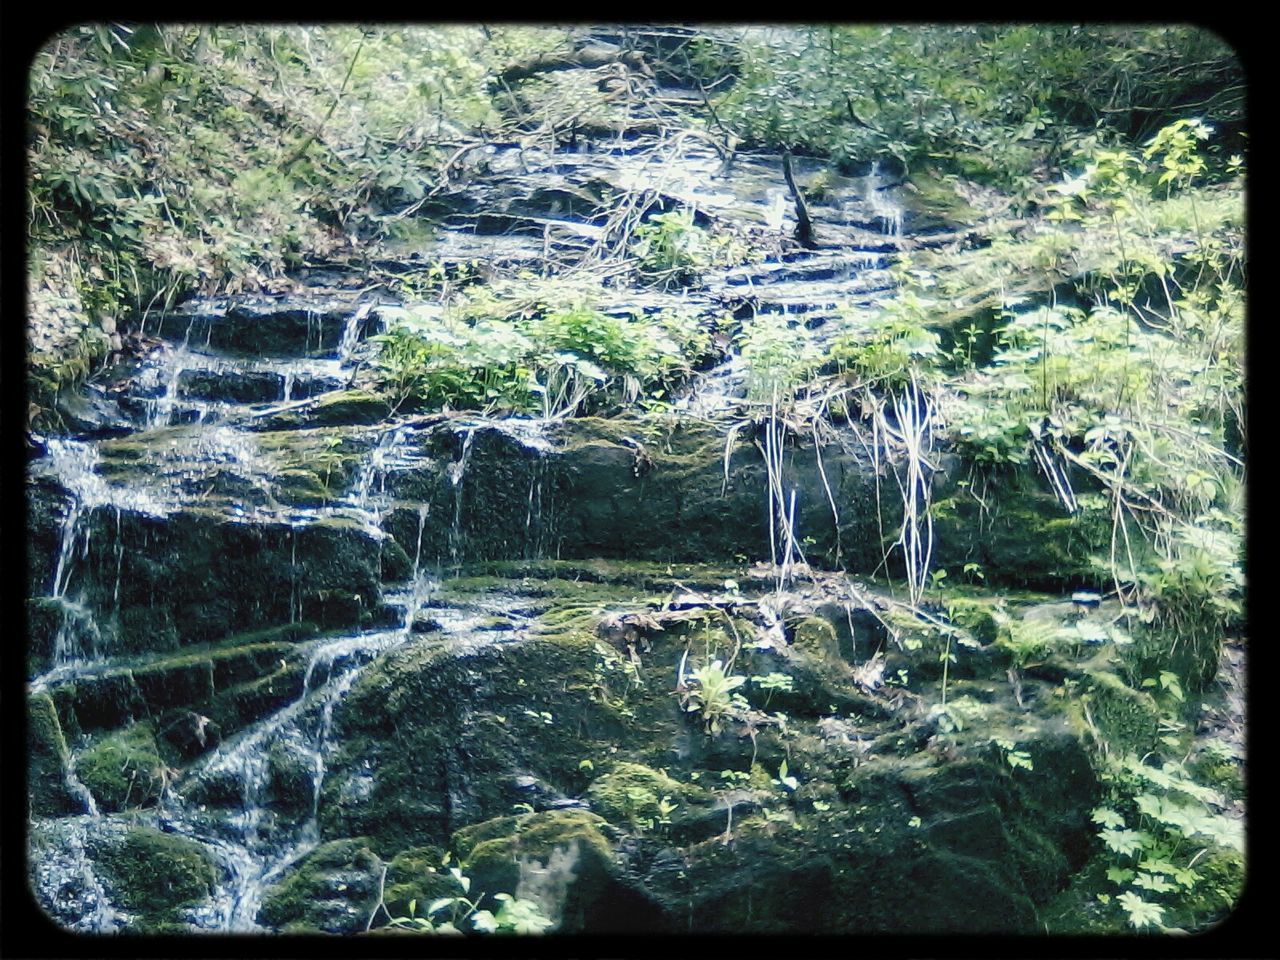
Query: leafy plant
{"points": [[772, 683], [779, 354], [461, 914], [672, 250], [1158, 826], [709, 692]]}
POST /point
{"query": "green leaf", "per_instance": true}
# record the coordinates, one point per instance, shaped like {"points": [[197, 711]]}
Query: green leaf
{"points": [[1119, 875], [1106, 817], [1125, 842], [1141, 914], [1153, 883]]}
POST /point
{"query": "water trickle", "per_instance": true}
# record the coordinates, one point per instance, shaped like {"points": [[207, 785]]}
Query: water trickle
{"points": [[457, 471], [416, 593], [351, 333], [883, 208], [254, 842], [75, 464], [115, 593], [390, 453]]}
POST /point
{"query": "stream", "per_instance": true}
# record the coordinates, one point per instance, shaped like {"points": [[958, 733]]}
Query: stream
{"points": [[272, 614]]}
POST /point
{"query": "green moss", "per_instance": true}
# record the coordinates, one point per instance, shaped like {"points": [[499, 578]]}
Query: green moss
{"points": [[107, 700], [332, 409], [47, 759], [417, 875], [1021, 537], [1128, 719], [244, 703], [333, 889], [978, 615], [934, 196], [629, 794], [818, 638], [123, 769], [153, 874], [571, 843], [468, 838], [175, 684]]}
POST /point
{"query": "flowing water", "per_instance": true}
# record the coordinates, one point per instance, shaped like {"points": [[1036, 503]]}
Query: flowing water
{"points": [[227, 803], [253, 801]]}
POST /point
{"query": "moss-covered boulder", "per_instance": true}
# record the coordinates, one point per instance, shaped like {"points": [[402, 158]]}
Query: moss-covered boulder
{"points": [[201, 573], [1127, 719], [561, 860], [418, 876], [123, 769], [1020, 537], [632, 795], [334, 889], [47, 761], [153, 874]]}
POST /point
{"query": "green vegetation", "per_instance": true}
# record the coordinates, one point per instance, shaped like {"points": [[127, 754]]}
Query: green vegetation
{"points": [[124, 769], [558, 362], [1045, 388], [1158, 827], [997, 102], [214, 158], [456, 914]]}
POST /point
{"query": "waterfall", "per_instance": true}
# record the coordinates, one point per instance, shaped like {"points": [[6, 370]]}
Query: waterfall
{"points": [[390, 453], [351, 333], [415, 598], [457, 471], [75, 464], [882, 208], [253, 843]]}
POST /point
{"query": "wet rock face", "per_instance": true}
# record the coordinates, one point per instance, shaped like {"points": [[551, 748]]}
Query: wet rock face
{"points": [[291, 643], [265, 328], [334, 890], [457, 739]]}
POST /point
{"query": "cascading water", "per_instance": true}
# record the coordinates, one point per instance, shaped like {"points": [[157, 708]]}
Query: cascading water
{"points": [[393, 452], [883, 208], [233, 802], [457, 471], [351, 333], [75, 463], [75, 894]]}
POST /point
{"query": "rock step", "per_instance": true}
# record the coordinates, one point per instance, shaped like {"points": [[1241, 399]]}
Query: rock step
{"points": [[260, 327]]}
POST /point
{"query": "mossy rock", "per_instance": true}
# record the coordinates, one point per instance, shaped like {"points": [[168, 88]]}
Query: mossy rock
{"points": [[108, 700], [432, 740], [560, 859], [166, 685], [249, 657], [1021, 538], [291, 778], [333, 890], [153, 874], [340, 408], [47, 760], [931, 202], [629, 794], [123, 769], [817, 637], [244, 703], [44, 617], [977, 614], [418, 875], [1128, 719]]}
